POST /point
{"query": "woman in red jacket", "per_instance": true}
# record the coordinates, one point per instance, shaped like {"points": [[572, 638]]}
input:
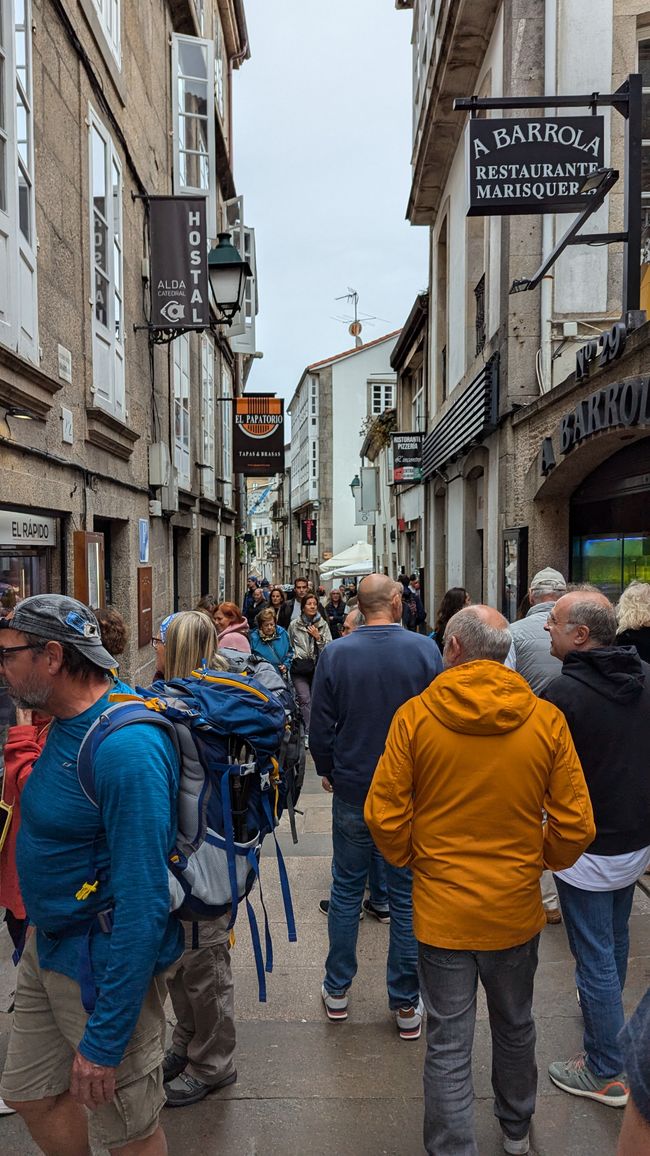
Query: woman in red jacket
{"points": [[23, 746]]}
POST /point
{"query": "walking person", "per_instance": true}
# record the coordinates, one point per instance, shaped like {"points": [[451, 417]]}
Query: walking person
{"points": [[335, 611], [413, 612], [454, 600], [604, 693], [360, 682], [292, 608], [232, 628], [256, 603], [277, 602], [271, 642], [309, 635], [457, 798], [633, 618]]}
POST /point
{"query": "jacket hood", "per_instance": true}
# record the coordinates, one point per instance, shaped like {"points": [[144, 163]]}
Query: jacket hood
{"points": [[240, 627], [616, 672], [480, 698]]}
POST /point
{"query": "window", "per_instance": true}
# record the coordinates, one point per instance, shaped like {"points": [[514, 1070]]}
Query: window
{"points": [[314, 460], [418, 419], [18, 302], [181, 350], [106, 270], [200, 14], [382, 397], [226, 436], [219, 94], [194, 129], [244, 342], [479, 297], [207, 418], [109, 18]]}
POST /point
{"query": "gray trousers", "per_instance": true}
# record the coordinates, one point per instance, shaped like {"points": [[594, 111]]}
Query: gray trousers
{"points": [[203, 998], [448, 983]]}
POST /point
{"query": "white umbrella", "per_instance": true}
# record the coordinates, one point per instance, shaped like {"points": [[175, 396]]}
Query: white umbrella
{"points": [[357, 571], [359, 554]]}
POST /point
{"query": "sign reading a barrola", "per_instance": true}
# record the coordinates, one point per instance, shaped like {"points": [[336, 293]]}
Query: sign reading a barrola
{"points": [[524, 165]]}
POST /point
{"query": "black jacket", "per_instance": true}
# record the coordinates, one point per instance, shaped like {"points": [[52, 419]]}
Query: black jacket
{"points": [[605, 697], [285, 612], [639, 638]]}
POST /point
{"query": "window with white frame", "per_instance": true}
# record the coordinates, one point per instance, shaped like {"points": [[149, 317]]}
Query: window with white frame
{"points": [[200, 14], [226, 435], [106, 269], [382, 397], [314, 460], [208, 460], [418, 405], [219, 88], [181, 351], [18, 301], [194, 129], [109, 18]]}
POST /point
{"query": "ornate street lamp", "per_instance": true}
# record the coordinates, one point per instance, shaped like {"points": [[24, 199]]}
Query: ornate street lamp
{"points": [[228, 273], [354, 486]]}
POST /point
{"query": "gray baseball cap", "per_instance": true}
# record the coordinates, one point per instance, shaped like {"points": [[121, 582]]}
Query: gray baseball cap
{"points": [[548, 581], [61, 619]]}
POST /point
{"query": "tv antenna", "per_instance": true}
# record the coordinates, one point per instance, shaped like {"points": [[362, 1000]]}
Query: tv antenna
{"points": [[355, 324]]}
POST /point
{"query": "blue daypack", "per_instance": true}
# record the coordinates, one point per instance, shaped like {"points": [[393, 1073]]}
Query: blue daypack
{"points": [[227, 730]]}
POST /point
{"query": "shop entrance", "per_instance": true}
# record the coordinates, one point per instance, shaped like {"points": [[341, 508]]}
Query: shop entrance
{"points": [[610, 522], [23, 573]]}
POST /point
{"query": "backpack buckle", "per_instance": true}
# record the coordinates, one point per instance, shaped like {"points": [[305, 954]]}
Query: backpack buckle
{"points": [[247, 769]]}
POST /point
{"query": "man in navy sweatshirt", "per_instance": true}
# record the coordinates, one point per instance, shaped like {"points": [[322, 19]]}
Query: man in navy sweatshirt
{"points": [[359, 684]]}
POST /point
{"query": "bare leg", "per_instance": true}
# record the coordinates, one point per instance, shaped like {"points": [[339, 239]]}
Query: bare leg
{"points": [[57, 1124], [154, 1145], [634, 1139]]}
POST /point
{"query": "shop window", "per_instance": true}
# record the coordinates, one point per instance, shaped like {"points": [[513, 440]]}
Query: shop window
{"points": [[181, 352], [193, 121], [611, 563], [108, 12], [18, 300], [106, 269]]}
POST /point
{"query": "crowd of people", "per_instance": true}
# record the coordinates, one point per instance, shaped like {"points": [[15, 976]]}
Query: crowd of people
{"points": [[472, 792]]}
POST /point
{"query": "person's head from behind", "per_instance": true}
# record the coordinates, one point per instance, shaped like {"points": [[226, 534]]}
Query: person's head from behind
{"points": [[352, 622], [266, 623], [112, 628], [208, 604], [476, 632], [309, 606], [633, 607], [226, 614], [581, 620], [51, 651], [547, 586], [191, 640], [380, 599], [300, 588], [276, 597], [452, 601]]}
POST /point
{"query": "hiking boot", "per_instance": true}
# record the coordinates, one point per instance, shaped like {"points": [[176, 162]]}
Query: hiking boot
{"points": [[380, 914], [573, 1076], [185, 1090], [409, 1021], [173, 1065], [336, 1005], [324, 906], [516, 1147], [553, 915]]}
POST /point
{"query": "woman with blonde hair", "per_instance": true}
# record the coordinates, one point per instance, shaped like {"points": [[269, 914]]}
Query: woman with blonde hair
{"points": [[633, 615], [201, 1056]]}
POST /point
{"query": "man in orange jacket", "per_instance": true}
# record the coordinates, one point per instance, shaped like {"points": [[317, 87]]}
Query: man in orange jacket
{"points": [[458, 795]]}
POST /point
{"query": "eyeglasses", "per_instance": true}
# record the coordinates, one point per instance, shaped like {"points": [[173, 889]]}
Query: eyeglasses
{"points": [[4, 650], [157, 642]]}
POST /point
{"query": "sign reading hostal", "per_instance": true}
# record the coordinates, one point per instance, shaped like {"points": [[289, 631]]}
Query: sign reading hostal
{"points": [[179, 263], [258, 436], [407, 457], [532, 165]]}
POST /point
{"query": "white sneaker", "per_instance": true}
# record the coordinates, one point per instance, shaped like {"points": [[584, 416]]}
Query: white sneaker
{"points": [[336, 1006], [5, 1110], [516, 1147], [409, 1021]]}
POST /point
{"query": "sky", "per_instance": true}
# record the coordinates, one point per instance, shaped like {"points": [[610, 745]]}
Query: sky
{"points": [[322, 144]]}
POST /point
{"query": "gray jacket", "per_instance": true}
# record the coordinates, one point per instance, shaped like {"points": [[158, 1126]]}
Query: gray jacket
{"points": [[534, 660]]}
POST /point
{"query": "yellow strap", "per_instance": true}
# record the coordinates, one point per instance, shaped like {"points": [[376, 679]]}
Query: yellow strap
{"points": [[86, 890], [232, 939], [228, 682]]}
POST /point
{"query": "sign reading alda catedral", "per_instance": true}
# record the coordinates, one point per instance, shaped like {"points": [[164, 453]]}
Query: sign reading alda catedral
{"points": [[526, 165]]}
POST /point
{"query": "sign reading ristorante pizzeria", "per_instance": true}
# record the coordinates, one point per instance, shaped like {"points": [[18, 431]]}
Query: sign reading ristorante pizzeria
{"points": [[258, 435], [532, 165]]}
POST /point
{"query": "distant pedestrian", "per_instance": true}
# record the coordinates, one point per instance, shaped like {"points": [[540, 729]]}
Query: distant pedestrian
{"points": [[308, 635], [413, 613], [360, 682], [633, 617], [292, 610], [335, 611], [457, 797], [277, 602], [232, 628], [271, 642], [453, 601], [252, 584], [257, 602], [604, 693], [113, 629]]}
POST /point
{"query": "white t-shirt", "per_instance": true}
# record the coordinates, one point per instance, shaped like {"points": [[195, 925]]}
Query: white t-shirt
{"points": [[606, 872], [296, 611]]}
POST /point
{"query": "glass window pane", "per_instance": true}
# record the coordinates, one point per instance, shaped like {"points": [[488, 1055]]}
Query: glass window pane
{"points": [[24, 206], [636, 559], [194, 131], [192, 59], [193, 97], [191, 172], [3, 122], [644, 62], [99, 172], [645, 169], [20, 11], [21, 130], [117, 201], [101, 298], [101, 247], [3, 176]]}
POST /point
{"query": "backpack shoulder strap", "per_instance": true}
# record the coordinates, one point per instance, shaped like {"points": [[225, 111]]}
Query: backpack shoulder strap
{"points": [[113, 719]]}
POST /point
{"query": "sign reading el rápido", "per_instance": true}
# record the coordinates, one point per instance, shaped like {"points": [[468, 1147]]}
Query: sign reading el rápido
{"points": [[258, 435], [532, 165]]}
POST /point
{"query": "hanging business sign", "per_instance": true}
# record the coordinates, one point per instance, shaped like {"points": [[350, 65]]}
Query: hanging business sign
{"points": [[623, 404], [179, 263], [532, 164], [309, 533], [407, 457], [258, 436]]}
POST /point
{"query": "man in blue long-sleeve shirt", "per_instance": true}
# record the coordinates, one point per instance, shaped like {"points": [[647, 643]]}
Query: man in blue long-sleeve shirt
{"points": [[360, 682], [94, 881]]}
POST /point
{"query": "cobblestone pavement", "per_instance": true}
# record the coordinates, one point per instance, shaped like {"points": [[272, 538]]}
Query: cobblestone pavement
{"points": [[354, 1089]]}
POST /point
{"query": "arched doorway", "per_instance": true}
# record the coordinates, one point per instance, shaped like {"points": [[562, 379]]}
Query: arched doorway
{"points": [[610, 522]]}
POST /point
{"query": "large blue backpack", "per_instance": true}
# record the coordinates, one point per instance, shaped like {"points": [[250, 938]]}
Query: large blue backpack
{"points": [[227, 730]]}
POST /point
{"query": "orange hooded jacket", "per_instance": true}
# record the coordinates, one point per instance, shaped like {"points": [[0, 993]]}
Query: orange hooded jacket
{"points": [[458, 795]]}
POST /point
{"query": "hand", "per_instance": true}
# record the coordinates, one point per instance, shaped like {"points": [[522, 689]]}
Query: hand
{"points": [[91, 1084], [283, 669], [23, 717], [326, 785], [313, 630]]}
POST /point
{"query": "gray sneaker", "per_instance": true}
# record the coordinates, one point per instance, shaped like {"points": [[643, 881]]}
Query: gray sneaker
{"points": [[516, 1147]]}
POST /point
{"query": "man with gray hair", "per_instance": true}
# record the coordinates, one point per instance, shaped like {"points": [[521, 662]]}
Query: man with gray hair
{"points": [[457, 796], [604, 693]]}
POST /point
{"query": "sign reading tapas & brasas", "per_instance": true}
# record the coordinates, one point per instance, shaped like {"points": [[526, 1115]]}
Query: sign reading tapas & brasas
{"points": [[532, 165], [624, 403]]}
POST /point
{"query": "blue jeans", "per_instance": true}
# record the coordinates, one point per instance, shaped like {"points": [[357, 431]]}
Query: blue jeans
{"points": [[449, 982], [377, 884], [597, 928], [352, 856]]}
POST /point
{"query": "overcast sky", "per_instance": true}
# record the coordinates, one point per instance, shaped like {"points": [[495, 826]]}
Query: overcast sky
{"points": [[322, 142]]}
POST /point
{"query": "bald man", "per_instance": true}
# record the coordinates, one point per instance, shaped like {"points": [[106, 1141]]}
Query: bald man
{"points": [[604, 692], [360, 682], [458, 795]]}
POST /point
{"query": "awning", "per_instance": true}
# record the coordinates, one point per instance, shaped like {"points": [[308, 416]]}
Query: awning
{"points": [[355, 571], [359, 554]]}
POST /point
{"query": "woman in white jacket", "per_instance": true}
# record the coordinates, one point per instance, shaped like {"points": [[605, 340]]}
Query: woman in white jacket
{"points": [[308, 635]]}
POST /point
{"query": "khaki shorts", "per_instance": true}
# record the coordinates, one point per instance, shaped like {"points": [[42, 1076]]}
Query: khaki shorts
{"points": [[49, 1021]]}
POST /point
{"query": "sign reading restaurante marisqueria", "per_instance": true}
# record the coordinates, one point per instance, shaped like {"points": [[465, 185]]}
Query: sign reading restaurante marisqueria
{"points": [[532, 165]]}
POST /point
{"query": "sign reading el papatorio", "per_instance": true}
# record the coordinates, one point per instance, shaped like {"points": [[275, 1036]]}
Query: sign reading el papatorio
{"points": [[532, 165], [258, 435]]}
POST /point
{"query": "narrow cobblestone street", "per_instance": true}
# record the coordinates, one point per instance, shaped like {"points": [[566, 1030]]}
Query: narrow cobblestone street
{"points": [[354, 1089]]}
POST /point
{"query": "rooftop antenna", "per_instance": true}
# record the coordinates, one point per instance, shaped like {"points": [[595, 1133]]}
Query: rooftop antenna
{"points": [[355, 326]]}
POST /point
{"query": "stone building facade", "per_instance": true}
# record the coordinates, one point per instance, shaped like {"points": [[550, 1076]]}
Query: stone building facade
{"points": [[120, 488]]}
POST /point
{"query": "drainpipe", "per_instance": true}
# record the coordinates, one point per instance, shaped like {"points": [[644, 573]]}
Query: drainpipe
{"points": [[545, 366]]}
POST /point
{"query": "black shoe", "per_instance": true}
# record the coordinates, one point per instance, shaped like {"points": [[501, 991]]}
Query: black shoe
{"points": [[377, 913], [324, 907], [185, 1090], [173, 1065]]}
